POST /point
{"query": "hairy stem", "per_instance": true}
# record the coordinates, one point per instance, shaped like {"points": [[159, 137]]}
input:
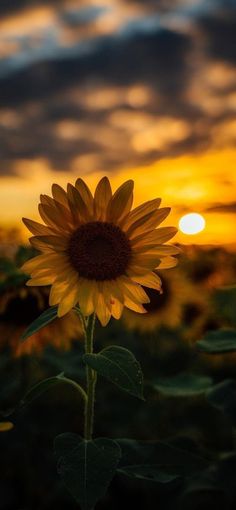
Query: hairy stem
{"points": [[91, 381]]}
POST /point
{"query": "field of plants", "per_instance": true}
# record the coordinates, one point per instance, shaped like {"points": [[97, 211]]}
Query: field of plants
{"points": [[177, 443]]}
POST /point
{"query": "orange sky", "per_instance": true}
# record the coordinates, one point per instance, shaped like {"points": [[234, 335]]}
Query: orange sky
{"points": [[187, 183], [142, 90]]}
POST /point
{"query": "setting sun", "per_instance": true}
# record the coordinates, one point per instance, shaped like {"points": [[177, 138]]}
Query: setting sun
{"points": [[192, 223]]}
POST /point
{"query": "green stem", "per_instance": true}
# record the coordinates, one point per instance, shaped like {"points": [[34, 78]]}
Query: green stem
{"points": [[91, 381]]}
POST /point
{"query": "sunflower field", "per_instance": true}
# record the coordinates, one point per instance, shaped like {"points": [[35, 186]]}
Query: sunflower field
{"points": [[159, 429]]}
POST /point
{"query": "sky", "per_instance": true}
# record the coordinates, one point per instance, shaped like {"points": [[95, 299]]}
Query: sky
{"points": [[129, 89]]}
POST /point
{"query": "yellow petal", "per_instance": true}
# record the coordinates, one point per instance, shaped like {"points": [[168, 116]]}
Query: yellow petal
{"points": [[148, 261], [56, 292], [54, 219], [68, 300], [121, 202], [38, 273], [102, 311], [78, 208], [51, 243], [44, 280], [41, 261], [85, 194], [134, 270], [116, 308], [158, 249], [167, 263], [86, 293], [132, 290], [136, 307], [157, 236], [36, 228], [102, 197], [59, 194], [139, 212], [148, 222], [150, 280]]}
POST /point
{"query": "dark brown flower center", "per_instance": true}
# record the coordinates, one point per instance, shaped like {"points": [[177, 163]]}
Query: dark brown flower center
{"points": [[99, 251]]}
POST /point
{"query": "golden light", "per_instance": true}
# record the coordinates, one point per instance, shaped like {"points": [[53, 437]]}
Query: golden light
{"points": [[192, 223]]}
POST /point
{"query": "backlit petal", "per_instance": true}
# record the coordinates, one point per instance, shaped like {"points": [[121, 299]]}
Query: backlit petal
{"points": [[85, 194], [121, 202], [102, 197], [150, 280]]}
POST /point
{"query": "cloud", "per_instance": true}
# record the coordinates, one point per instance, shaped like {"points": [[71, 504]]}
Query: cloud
{"points": [[222, 208], [82, 86]]}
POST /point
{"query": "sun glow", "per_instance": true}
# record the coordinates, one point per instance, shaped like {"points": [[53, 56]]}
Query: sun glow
{"points": [[192, 223]]}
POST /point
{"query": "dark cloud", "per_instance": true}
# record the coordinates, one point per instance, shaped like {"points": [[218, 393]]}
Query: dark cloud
{"points": [[46, 81], [220, 35], [222, 208]]}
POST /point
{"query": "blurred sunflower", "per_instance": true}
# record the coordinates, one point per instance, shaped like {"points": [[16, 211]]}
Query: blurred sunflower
{"points": [[96, 251], [166, 308], [20, 305]]}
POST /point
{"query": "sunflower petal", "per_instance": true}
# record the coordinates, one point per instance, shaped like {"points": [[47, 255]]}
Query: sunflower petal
{"points": [[37, 228], [157, 236], [85, 194], [148, 222], [55, 219], [136, 307], [41, 261], [159, 249], [56, 292], [102, 312], [139, 212], [133, 290], [121, 202], [41, 281], [86, 293], [150, 280], [78, 207], [116, 308], [149, 261], [102, 197], [167, 263], [49, 243], [59, 194], [69, 299]]}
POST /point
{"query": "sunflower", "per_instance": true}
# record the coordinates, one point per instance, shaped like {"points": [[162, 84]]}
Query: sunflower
{"points": [[20, 305], [96, 252], [175, 305]]}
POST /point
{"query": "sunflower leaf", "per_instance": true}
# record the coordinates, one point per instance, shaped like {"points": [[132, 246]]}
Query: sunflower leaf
{"points": [[86, 467], [43, 320], [183, 385], [222, 396], [178, 456], [119, 366], [218, 342], [150, 473], [39, 388]]}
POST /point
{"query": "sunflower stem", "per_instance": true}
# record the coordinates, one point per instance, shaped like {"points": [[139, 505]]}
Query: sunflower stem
{"points": [[91, 381]]}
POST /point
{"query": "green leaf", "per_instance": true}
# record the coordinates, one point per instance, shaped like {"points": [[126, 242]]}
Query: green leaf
{"points": [[40, 388], [86, 467], [183, 385], [218, 342], [170, 458], [149, 473], [42, 321], [120, 367], [223, 397]]}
